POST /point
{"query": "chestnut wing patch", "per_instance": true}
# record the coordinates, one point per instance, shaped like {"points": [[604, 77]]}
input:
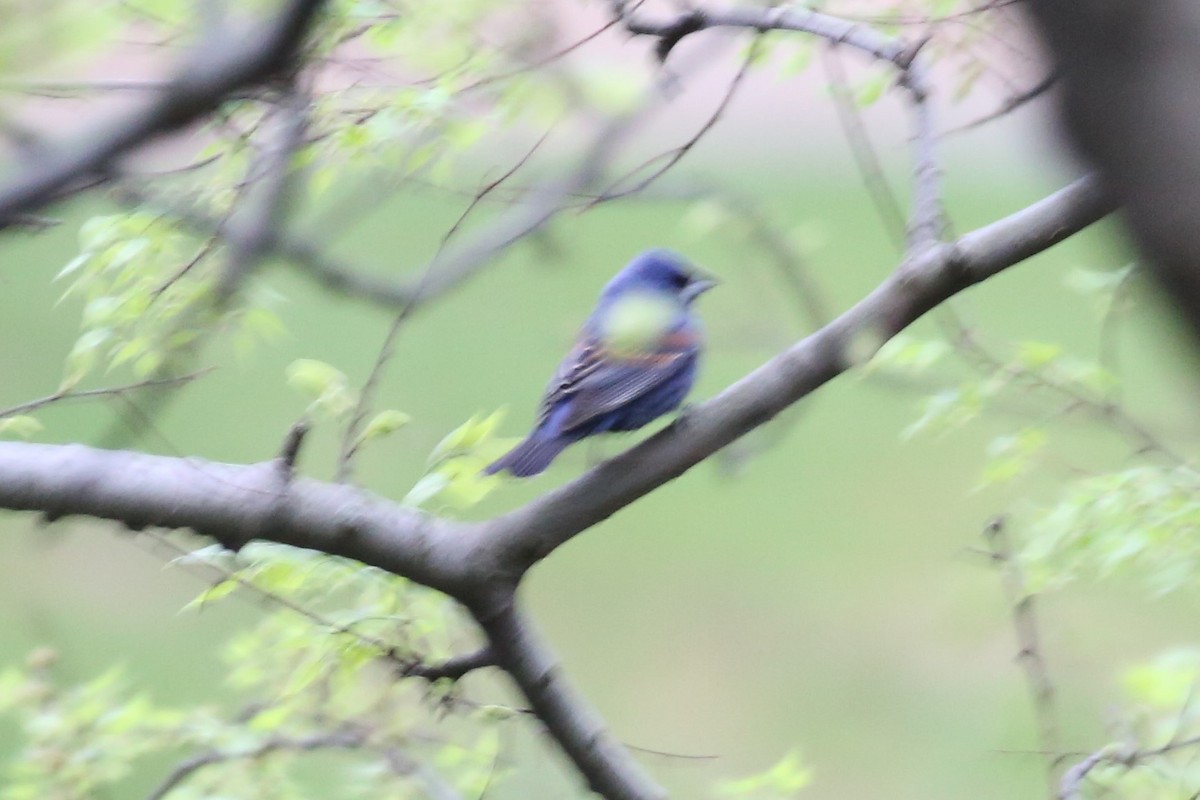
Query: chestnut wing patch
{"points": [[597, 381]]}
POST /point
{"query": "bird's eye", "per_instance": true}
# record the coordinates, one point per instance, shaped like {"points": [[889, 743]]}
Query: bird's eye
{"points": [[680, 279]]}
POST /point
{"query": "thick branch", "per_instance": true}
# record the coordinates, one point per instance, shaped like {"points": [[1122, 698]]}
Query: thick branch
{"points": [[234, 504], [478, 562], [918, 285], [231, 503], [604, 762], [216, 69]]}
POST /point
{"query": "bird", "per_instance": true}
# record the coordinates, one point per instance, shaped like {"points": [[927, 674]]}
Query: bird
{"points": [[633, 361]]}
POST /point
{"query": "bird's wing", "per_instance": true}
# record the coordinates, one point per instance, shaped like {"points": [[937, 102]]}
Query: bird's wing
{"points": [[598, 381]]}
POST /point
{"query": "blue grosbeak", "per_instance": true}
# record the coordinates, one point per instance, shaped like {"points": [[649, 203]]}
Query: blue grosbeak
{"points": [[634, 360]]}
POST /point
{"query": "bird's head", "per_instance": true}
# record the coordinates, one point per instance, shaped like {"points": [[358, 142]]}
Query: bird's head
{"points": [[660, 272]]}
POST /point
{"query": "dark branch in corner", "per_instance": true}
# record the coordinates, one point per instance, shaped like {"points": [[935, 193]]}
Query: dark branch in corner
{"points": [[1129, 104], [219, 66]]}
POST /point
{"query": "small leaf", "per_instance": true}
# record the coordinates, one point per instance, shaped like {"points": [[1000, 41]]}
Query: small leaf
{"points": [[426, 489], [313, 377], [383, 423], [213, 593], [467, 437], [1035, 355], [872, 89], [784, 779], [24, 427]]}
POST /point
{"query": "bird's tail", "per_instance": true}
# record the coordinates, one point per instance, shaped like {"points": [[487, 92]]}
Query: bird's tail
{"points": [[529, 457]]}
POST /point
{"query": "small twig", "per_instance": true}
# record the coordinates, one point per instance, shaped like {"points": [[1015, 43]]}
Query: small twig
{"points": [[205, 77], [35, 222], [1106, 408], [341, 740], [452, 668], [674, 156], [603, 761], [110, 391], [1011, 104], [251, 231], [291, 445], [926, 219], [1073, 778], [1030, 655], [887, 207], [347, 738], [350, 438]]}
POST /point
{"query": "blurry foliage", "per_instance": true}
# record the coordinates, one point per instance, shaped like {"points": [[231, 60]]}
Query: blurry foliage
{"points": [[781, 782], [325, 678], [1140, 518], [1158, 730], [455, 480], [1144, 519], [417, 92]]}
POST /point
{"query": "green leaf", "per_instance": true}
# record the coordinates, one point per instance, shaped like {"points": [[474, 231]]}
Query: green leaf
{"points": [[424, 490], [313, 377], [467, 436], [908, 354], [1168, 682], [870, 90], [1036, 355], [783, 780], [1012, 456], [24, 427], [1086, 281], [385, 422], [214, 593], [324, 383]]}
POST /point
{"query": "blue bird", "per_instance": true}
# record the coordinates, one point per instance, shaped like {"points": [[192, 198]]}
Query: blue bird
{"points": [[633, 361]]}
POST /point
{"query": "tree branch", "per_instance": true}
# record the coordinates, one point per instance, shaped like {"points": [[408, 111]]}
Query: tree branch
{"points": [[918, 285], [604, 762], [452, 668], [925, 219], [351, 738], [481, 563], [1030, 654], [215, 69], [340, 740]]}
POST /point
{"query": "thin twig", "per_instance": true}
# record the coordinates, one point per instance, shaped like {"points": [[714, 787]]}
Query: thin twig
{"points": [[674, 156], [109, 391], [1030, 654], [350, 437], [887, 207], [340, 740]]}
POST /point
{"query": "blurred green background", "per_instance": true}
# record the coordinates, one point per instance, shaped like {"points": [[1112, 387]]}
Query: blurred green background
{"points": [[822, 598]]}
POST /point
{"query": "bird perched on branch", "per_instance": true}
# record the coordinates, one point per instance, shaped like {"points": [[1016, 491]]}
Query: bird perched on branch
{"points": [[634, 360]]}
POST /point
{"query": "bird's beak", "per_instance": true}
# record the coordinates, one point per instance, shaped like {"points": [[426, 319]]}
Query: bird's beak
{"points": [[699, 284]]}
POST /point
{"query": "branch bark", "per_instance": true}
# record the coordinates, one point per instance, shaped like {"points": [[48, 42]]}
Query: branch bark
{"points": [[217, 68], [925, 219], [604, 762], [481, 563]]}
